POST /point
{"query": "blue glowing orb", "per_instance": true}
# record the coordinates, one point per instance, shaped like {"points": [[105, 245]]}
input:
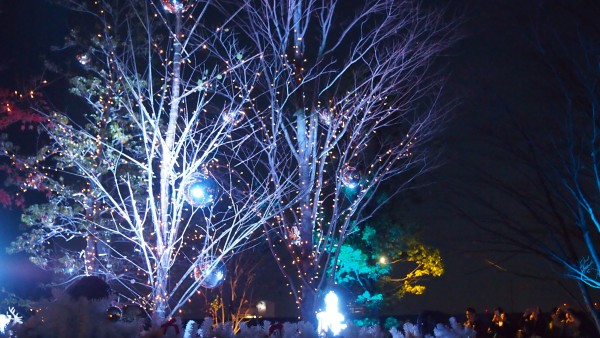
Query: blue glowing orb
{"points": [[350, 177], [210, 272], [200, 191]]}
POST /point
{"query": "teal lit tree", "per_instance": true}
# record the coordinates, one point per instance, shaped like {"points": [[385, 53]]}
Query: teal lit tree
{"points": [[384, 262]]}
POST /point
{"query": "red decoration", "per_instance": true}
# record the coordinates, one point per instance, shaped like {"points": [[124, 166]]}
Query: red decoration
{"points": [[16, 112], [16, 109]]}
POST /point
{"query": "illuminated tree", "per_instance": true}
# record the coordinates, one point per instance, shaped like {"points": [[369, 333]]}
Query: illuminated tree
{"points": [[291, 114], [384, 262], [148, 185], [235, 299], [349, 98], [547, 207], [15, 114]]}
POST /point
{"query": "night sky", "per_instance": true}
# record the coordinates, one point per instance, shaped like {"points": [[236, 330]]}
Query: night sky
{"points": [[494, 70], [493, 67]]}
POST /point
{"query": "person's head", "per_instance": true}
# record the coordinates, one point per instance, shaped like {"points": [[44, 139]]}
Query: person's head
{"points": [[499, 314], [471, 314], [535, 313], [569, 314]]}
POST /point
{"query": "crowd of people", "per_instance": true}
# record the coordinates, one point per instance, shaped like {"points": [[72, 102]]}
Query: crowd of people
{"points": [[561, 322]]}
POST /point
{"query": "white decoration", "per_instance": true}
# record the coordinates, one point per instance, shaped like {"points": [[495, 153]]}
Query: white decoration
{"points": [[330, 320], [233, 116], [326, 116]]}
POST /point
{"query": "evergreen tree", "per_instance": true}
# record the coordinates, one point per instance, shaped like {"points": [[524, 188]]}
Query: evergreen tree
{"points": [[383, 262]]}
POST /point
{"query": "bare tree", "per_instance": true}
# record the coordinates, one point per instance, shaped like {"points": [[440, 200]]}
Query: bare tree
{"points": [[348, 96], [573, 161], [234, 301], [548, 205], [145, 184], [207, 119]]}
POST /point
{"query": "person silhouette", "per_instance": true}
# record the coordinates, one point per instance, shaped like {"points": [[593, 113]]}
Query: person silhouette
{"points": [[473, 323]]}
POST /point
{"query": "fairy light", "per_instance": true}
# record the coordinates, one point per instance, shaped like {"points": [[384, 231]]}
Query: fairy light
{"points": [[323, 214]]}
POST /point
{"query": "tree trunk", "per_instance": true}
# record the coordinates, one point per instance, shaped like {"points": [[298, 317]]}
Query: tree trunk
{"points": [[589, 305], [167, 229], [307, 306]]}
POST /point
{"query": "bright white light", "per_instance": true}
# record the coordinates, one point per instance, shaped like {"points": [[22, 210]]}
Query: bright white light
{"points": [[261, 306], [4, 321], [10, 318], [197, 192], [330, 320]]}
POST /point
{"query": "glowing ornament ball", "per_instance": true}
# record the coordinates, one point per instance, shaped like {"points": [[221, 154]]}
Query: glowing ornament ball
{"points": [[210, 272], [84, 58], [295, 236], [200, 190], [326, 116], [232, 116], [172, 6], [350, 177], [114, 313]]}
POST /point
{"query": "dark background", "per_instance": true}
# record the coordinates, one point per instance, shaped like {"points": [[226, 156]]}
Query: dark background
{"points": [[493, 67]]}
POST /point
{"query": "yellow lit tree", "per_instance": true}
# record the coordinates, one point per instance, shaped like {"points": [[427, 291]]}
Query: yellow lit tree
{"points": [[384, 262]]}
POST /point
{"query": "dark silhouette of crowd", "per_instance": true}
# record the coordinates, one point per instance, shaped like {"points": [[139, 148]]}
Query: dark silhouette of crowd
{"points": [[561, 322]]}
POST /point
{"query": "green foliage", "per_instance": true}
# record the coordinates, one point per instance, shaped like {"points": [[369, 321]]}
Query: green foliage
{"points": [[384, 261], [366, 322], [353, 266], [391, 322], [370, 300]]}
